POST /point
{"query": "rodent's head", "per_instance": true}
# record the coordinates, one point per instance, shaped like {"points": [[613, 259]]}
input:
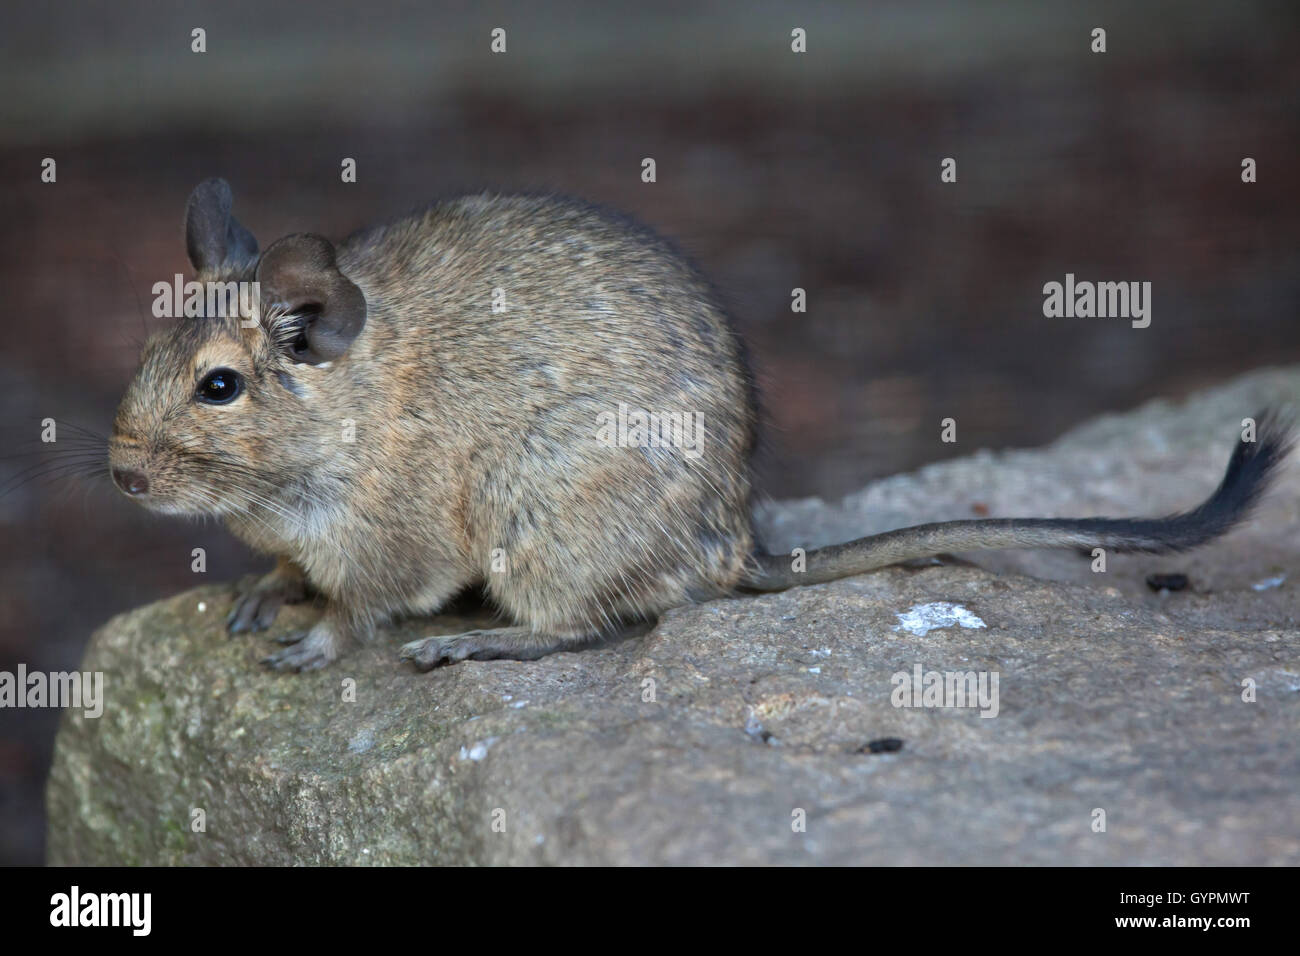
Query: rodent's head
{"points": [[231, 404]]}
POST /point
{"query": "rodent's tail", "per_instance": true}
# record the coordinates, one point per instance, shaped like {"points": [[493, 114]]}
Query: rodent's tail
{"points": [[1250, 471]]}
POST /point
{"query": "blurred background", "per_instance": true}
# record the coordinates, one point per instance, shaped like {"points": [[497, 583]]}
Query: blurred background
{"points": [[776, 170]]}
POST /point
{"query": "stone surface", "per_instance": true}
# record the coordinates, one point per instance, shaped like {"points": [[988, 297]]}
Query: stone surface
{"points": [[1110, 697]]}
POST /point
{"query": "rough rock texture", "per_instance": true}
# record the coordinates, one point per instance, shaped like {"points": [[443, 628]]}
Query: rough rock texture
{"points": [[1111, 697]]}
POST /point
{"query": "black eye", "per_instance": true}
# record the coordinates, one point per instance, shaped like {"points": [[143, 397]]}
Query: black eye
{"points": [[220, 387]]}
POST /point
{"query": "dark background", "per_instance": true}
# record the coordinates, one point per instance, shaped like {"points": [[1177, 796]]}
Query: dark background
{"points": [[775, 170]]}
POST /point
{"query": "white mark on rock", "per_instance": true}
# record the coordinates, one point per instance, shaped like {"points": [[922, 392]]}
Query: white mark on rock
{"points": [[362, 742], [203, 606], [814, 670], [478, 751], [921, 619], [1269, 583]]}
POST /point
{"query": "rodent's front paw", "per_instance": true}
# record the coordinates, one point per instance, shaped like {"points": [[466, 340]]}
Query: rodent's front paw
{"points": [[307, 651], [253, 611], [256, 608]]}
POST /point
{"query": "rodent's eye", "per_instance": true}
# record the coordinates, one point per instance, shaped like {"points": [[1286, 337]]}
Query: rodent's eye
{"points": [[220, 387]]}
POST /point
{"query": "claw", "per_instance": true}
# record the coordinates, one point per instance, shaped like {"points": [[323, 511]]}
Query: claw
{"points": [[296, 657], [255, 609], [307, 650], [430, 652]]}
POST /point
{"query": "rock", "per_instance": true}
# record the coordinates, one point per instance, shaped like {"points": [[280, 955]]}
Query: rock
{"points": [[766, 711]]}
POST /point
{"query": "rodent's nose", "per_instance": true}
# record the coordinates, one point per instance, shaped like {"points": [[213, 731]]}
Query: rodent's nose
{"points": [[132, 482]]}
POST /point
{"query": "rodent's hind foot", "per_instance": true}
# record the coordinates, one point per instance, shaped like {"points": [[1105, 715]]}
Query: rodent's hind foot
{"points": [[306, 650], [255, 609], [512, 643]]}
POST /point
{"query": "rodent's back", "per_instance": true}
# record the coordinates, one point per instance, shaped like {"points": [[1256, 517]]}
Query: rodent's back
{"points": [[505, 329], [578, 289]]}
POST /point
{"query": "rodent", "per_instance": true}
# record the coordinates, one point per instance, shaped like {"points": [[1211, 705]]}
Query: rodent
{"points": [[473, 347]]}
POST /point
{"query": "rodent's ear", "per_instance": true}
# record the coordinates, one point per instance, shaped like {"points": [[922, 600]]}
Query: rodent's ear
{"points": [[299, 278], [213, 237]]}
